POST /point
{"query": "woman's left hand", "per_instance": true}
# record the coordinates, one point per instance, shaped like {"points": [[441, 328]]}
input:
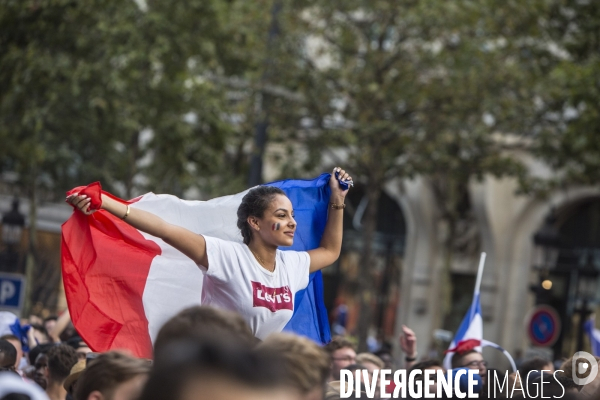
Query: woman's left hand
{"points": [[334, 185]]}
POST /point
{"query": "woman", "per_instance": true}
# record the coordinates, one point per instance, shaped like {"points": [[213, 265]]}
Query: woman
{"points": [[254, 279]]}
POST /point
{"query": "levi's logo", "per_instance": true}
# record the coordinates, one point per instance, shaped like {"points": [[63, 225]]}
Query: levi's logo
{"points": [[272, 298]]}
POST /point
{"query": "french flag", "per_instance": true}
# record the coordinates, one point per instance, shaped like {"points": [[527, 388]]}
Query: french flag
{"points": [[469, 335], [122, 284]]}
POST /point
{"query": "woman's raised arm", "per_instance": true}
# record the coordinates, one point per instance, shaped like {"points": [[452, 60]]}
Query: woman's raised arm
{"points": [[331, 242], [189, 243]]}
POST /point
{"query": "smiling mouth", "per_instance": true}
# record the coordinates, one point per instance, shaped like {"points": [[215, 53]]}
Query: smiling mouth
{"points": [[290, 234]]}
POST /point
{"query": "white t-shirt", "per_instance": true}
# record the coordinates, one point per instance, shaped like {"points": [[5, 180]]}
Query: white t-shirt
{"points": [[236, 281]]}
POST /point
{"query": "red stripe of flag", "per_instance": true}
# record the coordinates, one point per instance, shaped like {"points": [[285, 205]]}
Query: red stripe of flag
{"points": [[105, 264]]}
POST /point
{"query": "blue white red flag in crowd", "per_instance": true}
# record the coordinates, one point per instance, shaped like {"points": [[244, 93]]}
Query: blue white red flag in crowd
{"points": [[122, 284]]}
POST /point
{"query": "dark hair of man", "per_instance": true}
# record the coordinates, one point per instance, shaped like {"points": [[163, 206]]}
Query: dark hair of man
{"points": [[534, 364], [457, 359], [424, 365], [181, 362], [254, 204], [51, 318], [37, 350], [8, 355], [338, 342], [106, 372], [197, 322], [61, 359]]}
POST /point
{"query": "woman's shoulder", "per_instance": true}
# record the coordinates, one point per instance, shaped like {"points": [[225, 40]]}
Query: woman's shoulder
{"points": [[292, 257], [223, 244]]}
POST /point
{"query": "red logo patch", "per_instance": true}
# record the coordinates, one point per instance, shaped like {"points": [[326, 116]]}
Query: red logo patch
{"points": [[272, 298]]}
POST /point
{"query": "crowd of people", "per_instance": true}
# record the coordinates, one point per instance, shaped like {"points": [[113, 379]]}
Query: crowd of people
{"points": [[208, 353]]}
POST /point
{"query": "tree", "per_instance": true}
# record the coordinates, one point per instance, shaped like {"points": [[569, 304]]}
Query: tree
{"points": [[118, 92], [568, 93], [394, 90]]}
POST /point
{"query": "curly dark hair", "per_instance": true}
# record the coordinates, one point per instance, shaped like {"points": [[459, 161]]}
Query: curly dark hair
{"points": [[254, 204], [61, 359]]}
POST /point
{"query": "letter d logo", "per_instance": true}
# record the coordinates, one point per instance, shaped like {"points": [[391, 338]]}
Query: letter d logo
{"points": [[581, 363]]}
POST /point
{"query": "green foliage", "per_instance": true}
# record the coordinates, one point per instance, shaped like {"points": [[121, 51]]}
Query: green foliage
{"points": [[569, 128], [97, 90]]}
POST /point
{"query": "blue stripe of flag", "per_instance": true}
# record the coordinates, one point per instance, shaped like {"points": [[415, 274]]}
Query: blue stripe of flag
{"points": [[310, 199]]}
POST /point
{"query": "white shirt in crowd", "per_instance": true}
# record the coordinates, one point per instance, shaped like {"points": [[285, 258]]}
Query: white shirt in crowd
{"points": [[236, 281]]}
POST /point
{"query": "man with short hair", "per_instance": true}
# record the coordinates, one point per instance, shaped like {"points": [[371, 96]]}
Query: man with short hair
{"points": [[471, 359], [8, 356], [535, 364], [112, 376], [81, 347], [341, 354], [12, 339], [306, 363], [61, 359]]}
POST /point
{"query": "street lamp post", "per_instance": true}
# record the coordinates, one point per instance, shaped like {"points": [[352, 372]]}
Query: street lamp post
{"points": [[13, 223]]}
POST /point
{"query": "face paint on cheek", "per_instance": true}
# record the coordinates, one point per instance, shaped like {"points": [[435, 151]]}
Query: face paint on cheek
{"points": [[275, 226]]}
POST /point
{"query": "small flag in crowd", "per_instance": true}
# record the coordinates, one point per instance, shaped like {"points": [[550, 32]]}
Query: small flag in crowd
{"points": [[470, 332], [122, 284], [469, 335]]}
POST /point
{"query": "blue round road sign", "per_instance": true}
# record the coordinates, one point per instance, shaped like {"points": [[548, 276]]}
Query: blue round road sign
{"points": [[543, 326]]}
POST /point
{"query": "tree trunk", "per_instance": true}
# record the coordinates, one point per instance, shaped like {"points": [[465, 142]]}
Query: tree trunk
{"points": [[365, 291]]}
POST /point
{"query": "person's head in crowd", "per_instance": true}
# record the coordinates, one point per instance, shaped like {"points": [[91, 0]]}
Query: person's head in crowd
{"points": [[39, 360], [68, 333], [307, 364], [61, 359], [213, 368], [422, 366], [12, 339], [371, 362], [386, 356], [70, 383], [342, 354], [81, 348], [535, 364], [50, 323], [112, 376], [199, 321], [8, 356], [471, 359]]}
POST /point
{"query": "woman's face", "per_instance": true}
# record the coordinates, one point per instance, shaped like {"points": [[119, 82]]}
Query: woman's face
{"points": [[277, 226]]}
